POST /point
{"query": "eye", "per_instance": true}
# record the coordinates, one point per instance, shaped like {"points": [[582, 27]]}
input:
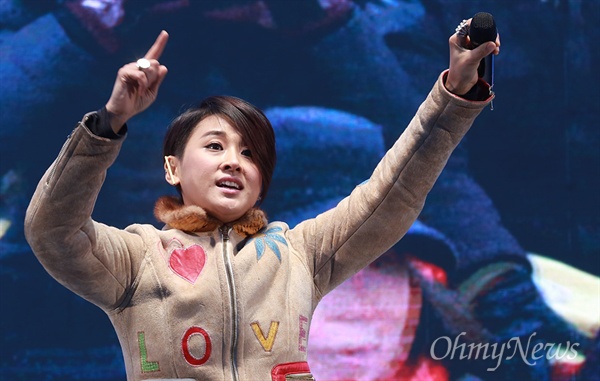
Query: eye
{"points": [[214, 146], [247, 153]]}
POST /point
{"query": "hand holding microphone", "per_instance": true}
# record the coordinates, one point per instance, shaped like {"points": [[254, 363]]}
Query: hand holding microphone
{"points": [[472, 48], [483, 29]]}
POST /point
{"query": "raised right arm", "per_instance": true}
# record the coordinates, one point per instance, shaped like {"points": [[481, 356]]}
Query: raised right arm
{"points": [[96, 261], [91, 259]]}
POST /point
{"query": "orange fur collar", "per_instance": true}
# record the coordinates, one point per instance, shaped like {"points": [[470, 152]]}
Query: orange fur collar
{"points": [[192, 218]]}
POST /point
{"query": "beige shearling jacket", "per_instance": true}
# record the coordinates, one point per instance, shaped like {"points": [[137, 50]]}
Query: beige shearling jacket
{"points": [[234, 302]]}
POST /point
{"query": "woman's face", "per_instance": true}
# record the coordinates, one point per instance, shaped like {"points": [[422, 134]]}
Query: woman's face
{"points": [[356, 331], [216, 171]]}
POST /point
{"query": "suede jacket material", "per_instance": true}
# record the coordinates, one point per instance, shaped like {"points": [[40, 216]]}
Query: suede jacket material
{"points": [[207, 301]]}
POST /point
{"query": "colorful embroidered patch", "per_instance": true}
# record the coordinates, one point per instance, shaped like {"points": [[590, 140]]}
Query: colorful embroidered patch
{"points": [[147, 366], [266, 342], [268, 238], [187, 262], [291, 371], [302, 333], [185, 346]]}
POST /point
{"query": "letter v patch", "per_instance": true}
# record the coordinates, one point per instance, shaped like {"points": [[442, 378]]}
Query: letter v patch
{"points": [[267, 343]]}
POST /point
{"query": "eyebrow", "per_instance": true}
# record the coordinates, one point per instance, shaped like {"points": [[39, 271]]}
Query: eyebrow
{"points": [[219, 133], [214, 133]]}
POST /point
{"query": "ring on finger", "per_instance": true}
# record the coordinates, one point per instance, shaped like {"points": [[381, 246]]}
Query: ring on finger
{"points": [[142, 64], [463, 28]]}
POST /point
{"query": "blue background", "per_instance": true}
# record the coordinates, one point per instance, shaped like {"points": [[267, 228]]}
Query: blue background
{"points": [[339, 90]]}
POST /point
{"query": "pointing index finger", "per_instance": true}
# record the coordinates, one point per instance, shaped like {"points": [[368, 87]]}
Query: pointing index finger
{"points": [[158, 47]]}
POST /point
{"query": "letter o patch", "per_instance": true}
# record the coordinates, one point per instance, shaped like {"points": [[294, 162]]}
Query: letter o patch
{"points": [[185, 346]]}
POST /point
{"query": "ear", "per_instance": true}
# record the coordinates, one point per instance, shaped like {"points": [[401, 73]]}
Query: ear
{"points": [[170, 165]]}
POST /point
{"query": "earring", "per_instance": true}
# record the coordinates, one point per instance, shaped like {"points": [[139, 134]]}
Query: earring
{"points": [[168, 170]]}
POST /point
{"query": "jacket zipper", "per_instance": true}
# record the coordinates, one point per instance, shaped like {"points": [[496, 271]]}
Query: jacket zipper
{"points": [[225, 230]]}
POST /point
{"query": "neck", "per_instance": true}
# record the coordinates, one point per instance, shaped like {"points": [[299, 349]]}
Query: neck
{"points": [[192, 218]]}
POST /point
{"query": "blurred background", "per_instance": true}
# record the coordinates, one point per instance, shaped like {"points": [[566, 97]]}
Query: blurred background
{"points": [[340, 80]]}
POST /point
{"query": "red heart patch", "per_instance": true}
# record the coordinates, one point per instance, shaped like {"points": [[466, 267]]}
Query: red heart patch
{"points": [[188, 262]]}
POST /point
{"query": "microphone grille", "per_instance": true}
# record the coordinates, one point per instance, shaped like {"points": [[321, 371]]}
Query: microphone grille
{"points": [[483, 28]]}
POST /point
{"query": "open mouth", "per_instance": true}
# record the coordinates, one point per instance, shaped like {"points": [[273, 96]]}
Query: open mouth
{"points": [[228, 184]]}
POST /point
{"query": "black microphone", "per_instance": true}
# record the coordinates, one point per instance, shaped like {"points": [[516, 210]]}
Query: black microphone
{"points": [[483, 29]]}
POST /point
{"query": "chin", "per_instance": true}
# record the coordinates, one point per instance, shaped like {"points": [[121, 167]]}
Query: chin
{"points": [[227, 216]]}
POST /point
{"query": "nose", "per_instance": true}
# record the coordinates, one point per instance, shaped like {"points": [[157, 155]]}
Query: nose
{"points": [[231, 161]]}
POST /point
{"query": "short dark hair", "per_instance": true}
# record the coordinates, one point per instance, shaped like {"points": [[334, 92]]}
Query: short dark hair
{"points": [[248, 120]]}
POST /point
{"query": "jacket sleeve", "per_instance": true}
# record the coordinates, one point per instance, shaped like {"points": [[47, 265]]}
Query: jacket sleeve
{"points": [[341, 241], [89, 258]]}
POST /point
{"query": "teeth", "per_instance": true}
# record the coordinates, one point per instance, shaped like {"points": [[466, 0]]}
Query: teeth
{"points": [[229, 184]]}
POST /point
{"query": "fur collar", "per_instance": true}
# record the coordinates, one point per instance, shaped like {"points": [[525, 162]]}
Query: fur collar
{"points": [[192, 218]]}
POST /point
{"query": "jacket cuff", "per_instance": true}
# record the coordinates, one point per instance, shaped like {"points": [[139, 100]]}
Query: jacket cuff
{"points": [[481, 92], [98, 123]]}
